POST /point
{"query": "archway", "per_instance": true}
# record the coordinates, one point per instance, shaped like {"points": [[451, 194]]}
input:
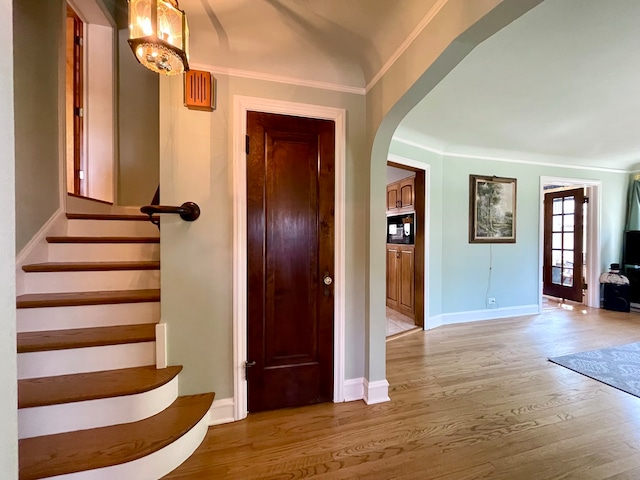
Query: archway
{"points": [[455, 29]]}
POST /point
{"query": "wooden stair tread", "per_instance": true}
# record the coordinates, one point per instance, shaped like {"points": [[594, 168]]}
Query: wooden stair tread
{"points": [[70, 299], [70, 452], [85, 337], [109, 216], [91, 266], [38, 392], [102, 239]]}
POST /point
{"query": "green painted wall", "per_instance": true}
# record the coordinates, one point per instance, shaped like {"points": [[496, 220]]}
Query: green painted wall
{"points": [[196, 165], [37, 28], [459, 271]]}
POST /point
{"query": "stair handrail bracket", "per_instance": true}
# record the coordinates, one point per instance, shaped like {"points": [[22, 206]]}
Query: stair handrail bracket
{"points": [[188, 211]]}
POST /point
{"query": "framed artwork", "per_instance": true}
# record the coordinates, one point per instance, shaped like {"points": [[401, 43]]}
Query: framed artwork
{"points": [[492, 209]]}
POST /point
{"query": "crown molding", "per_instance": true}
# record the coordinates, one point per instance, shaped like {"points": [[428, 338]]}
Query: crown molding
{"points": [[499, 158], [268, 77], [431, 14]]}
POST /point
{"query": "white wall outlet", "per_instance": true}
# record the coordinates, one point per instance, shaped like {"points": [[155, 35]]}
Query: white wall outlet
{"points": [[491, 302]]}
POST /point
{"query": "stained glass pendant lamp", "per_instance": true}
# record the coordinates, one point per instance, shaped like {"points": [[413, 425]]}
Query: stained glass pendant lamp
{"points": [[159, 35]]}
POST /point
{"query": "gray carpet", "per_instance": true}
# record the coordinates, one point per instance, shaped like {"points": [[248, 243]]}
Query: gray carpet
{"points": [[616, 366]]}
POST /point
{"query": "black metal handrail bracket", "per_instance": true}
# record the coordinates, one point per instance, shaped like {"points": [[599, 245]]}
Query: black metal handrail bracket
{"points": [[188, 211]]}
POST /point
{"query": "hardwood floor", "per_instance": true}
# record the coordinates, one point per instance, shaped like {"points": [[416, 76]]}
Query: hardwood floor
{"points": [[468, 401]]}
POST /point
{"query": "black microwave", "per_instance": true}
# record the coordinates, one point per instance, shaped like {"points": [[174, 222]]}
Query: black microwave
{"points": [[401, 229]]}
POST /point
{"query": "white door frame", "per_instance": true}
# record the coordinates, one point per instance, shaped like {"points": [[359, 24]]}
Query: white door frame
{"points": [[426, 168], [592, 231], [241, 105]]}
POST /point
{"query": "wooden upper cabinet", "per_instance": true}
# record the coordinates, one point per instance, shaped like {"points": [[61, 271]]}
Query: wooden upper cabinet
{"points": [[401, 195], [393, 195]]}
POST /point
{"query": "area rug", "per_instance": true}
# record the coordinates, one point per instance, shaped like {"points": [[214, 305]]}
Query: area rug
{"points": [[616, 366]]}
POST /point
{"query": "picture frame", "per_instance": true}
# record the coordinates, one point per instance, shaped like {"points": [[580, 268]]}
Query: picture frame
{"points": [[492, 209]]}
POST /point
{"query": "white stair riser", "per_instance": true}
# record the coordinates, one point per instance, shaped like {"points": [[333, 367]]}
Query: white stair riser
{"points": [[86, 316], [111, 228], [59, 282], [155, 465], [89, 359], [69, 417], [103, 252]]}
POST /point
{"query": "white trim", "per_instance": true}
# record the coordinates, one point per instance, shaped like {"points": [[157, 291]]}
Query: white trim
{"points": [[426, 168], [269, 77], [489, 314], [221, 411], [353, 389], [593, 234], [507, 159], [241, 105], [376, 392], [37, 249], [433, 11], [434, 322], [161, 345]]}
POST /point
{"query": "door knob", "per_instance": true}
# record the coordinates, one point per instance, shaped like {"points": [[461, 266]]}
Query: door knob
{"points": [[327, 280]]}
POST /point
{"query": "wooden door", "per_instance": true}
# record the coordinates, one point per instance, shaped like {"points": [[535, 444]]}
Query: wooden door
{"points": [[393, 263], [290, 253], [406, 281], [74, 100], [563, 247]]}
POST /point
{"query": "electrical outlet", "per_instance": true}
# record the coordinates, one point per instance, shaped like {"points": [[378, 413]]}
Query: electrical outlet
{"points": [[491, 302]]}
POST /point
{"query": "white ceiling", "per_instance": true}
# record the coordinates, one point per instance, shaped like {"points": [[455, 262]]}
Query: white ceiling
{"points": [[343, 42], [562, 83]]}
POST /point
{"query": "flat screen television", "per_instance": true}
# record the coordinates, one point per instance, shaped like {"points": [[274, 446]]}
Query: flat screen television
{"points": [[632, 247]]}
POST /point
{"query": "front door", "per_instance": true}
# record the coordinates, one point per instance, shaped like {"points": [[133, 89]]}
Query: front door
{"points": [[563, 237], [290, 260]]}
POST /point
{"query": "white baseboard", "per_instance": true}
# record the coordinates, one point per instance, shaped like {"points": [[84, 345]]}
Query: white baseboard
{"points": [[432, 322], [221, 411], [376, 392], [488, 314], [353, 389], [36, 250]]}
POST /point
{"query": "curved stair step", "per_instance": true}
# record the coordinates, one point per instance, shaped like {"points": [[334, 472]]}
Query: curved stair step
{"points": [[67, 403], [105, 239], [85, 337], [38, 392], [91, 266], [72, 299], [129, 450]]}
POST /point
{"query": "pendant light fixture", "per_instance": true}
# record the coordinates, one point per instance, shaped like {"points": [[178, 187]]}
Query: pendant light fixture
{"points": [[159, 35]]}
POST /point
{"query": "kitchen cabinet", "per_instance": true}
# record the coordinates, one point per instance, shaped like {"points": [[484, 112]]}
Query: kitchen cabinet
{"points": [[400, 196], [401, 279]]}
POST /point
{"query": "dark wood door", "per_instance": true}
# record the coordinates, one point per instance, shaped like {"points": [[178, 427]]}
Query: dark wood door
{"points": [[563, 244], [290, 252]]}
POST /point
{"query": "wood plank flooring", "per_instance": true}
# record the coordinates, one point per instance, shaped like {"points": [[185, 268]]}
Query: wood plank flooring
{"points": [[468, 401]]}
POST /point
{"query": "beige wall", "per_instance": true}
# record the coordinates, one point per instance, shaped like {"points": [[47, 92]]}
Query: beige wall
{"points": [[38, 27], [8, 375]]}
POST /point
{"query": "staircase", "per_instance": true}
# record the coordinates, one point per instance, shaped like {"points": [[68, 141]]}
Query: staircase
{"points": [[91, 402]]}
